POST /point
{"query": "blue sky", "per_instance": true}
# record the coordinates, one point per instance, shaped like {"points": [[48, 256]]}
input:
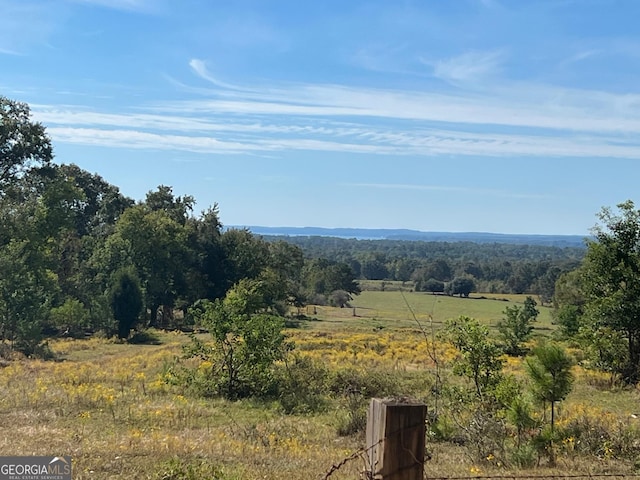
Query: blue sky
{"points": [[506, 116]]}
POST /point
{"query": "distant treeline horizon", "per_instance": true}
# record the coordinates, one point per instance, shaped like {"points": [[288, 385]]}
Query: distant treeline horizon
{"points": [[418, 235], [493, 267]]}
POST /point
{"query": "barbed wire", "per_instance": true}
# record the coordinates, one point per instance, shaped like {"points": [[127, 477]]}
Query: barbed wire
{"points": [[337, 466], [361, 452], [538, 477], [368, 472]]}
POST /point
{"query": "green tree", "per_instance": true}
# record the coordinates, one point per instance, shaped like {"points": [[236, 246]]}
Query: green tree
{"points": [[569, 303], [246, 341], [178, 208], [245, 256], [156, 246], [284, 275], [99, 204], [207, 275], [516, 327], [611, 280], [432, 285], [550, 372], [72, 317], [24, 145], [479, 358], [374, 268], [33, 215], [520, 415], [462, 286], [27, 290], [545, 284], [605, 350], [323, 277], [126, 301], [438, 269]]}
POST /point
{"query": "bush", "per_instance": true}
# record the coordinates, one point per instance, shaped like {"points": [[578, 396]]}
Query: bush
{"points": [[245, 345], [602, 437], [485, 434], [355, 388], [367, 383], [71, 317], [443, 429], [302, 385], [545, 443], [317, 299], [339, 298], [524, 456], [354, 419]]}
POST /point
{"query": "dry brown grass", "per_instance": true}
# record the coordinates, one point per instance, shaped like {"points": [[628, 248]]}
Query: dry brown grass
{"points": [[108, 406]]}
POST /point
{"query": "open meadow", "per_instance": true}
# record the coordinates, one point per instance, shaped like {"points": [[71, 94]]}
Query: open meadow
{"points": [[396, 309], [112, 406]]}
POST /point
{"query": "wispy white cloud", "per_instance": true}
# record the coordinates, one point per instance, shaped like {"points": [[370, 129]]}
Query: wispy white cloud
{"points": [[513, 120], [7, 51], [583, 55], [129, 5], [445, 188], [154, 131], [144, 140], [469, 67], [200, 69], [517, 106]]}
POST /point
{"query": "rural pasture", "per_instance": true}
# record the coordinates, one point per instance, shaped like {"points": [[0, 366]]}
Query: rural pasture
{"points": [[110, 405]]}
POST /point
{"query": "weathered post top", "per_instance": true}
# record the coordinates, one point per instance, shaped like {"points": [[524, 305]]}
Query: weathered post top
{"points": [[396, 439]]}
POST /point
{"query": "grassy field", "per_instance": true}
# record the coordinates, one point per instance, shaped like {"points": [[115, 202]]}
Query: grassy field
{"points": [[395, 309], [108, 406]]}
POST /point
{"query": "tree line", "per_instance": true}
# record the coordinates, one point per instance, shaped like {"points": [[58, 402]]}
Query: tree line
{"points": [[77, 255], [597, 305], [433, 266]]}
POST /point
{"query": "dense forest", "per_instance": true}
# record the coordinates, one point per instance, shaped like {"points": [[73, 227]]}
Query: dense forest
{"points": [[492, 267]]}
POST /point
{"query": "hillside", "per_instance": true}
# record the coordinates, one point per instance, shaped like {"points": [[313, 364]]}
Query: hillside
{"points": [[416, 235]]}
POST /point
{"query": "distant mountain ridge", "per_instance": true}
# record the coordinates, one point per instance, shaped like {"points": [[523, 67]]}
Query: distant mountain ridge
{"points": [[417, 235]]}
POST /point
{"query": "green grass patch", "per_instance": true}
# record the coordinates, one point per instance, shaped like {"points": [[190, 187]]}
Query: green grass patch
{"points": [[395, 309]]}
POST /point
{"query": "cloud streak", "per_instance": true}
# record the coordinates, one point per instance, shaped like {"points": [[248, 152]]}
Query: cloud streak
{"points": [[512, 120], [469, 67], [444, 188], [145, 6], [517, 106]]}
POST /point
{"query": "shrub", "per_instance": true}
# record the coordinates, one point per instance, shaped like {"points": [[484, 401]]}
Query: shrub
{"points": [[303, 385], [524, 456], [355, 388], [367, 383], [245, 345], [354, 419], [444, 429], [72, 317]]}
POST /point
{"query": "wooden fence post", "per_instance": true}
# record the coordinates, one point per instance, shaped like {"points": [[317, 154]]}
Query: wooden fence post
{"points": [[396, 439]]}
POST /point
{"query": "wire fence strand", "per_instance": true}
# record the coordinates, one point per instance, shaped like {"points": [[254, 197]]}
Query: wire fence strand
{"points": [[594, 476], [367, 473]]}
